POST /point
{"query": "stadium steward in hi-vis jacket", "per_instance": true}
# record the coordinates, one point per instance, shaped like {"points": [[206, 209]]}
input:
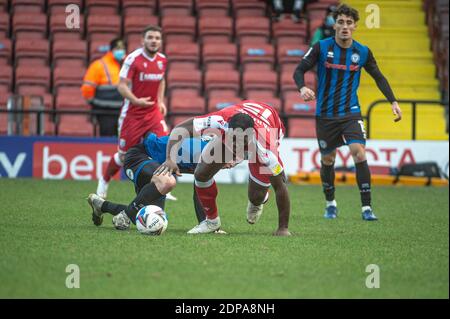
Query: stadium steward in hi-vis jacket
{"points": [[100, 86]]}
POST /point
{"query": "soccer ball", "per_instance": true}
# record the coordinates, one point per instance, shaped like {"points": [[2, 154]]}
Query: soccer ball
{"points": [[151, 220]]}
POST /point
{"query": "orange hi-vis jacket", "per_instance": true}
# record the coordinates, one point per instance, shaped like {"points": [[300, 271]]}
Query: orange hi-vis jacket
{"points": [[102, 76]]}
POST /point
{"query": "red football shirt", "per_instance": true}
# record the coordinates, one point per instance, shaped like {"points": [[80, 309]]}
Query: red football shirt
{"points": [[269, 129], [145, 74]]}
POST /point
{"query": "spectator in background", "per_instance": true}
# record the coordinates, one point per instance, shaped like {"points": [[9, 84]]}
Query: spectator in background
{"points": [[100, 86], [295, 7], [327, 28]]}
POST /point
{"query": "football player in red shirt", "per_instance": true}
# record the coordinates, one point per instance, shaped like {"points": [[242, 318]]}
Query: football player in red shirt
{"points": [[248, 130], [142, 85]]}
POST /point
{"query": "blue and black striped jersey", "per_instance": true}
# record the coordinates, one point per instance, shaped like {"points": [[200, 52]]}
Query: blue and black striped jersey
{"points": [[339, 72]]}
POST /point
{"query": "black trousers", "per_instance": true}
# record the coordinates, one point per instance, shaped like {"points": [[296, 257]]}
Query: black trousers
{"points": [[107, 123]]}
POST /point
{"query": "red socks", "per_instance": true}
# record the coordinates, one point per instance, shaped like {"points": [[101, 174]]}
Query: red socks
{"points": [[207, 194], [113, 167]]}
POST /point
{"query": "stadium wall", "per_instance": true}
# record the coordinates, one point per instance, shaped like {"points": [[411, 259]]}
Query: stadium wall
{"points": [[85, 158]]}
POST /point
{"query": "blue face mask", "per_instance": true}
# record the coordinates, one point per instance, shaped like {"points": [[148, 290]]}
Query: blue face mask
{"points": [[329, 21], [119, 55]]}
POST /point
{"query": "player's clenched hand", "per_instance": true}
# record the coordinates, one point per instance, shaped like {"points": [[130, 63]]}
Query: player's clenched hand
{"points": [[397, 111], [144, 101], [282, 232], [168, 167], [307, 94]]}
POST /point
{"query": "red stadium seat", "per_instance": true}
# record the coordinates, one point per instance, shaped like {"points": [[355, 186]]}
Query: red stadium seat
{"points": [[287, 31], [102, 7], [178, 119], [248, 8], [32, 52], [6, 76], [70, 98], [58, 7], [3, 5], [304, 128], [287, 82], [27, 6], [136, 24], [184, 79], [216, 103], [5, 51], [33, 75], [212, 8], [60, 31], [262, 55], [75, 125], [175, 8], [265, 97], [178, 30], [29, 26], [253, 29], [186, 103], [294, 104], [36, 90], [259, 81], [138, 7], [67, 76], [218, 80], [134, 41], [215, 29], [291, 53], [4, 25], [188, 53], [69, 50], [220, 53], [97, 49], [107, 26]]}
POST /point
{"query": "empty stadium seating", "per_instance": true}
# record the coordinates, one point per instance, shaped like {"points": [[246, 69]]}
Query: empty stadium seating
{"points": [[219, 52]]}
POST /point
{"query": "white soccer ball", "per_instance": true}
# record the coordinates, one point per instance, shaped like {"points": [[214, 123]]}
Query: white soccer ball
{"points": [[151, 220]]}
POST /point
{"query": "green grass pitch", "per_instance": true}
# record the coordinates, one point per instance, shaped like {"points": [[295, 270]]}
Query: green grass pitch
{"points": [[46, 225]]}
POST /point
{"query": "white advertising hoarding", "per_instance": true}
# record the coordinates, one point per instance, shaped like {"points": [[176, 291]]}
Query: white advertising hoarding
{"points": [[303, 155]]}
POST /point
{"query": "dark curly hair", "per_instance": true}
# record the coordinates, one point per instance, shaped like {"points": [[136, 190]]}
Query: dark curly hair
{"points": [[344, 9]]}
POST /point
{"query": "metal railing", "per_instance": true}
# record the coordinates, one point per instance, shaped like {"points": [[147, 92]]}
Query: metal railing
{"points": [[413, 103]]}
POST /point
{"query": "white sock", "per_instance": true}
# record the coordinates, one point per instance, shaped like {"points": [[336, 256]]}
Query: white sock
{"points": [[332, 203], [364, 208]]}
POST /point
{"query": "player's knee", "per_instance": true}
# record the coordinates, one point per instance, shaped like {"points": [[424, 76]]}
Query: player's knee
{"points": [[329, 159], [119, 158], [257, 197], [359, 154], [164, 183]]}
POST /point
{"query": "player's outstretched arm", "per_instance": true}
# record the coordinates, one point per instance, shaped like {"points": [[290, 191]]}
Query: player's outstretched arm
{"points": [[283, 203], [177, 136]]}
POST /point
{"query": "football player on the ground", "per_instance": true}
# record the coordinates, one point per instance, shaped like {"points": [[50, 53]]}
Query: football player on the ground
{"points": [[250, 130], [139, 164]]}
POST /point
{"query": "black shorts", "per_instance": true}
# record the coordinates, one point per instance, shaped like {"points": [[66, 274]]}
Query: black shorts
{"points": [[139, 167], [334, 133]]}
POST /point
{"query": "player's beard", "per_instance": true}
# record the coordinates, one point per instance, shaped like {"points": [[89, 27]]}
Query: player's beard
{"points": [[152, 51]]}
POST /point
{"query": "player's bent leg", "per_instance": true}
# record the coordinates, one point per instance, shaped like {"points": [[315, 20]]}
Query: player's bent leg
{"points": [[206, 190], [258, 195], [164, 183], [363, 178], [96, 203], [327, 176], [114, 165]]}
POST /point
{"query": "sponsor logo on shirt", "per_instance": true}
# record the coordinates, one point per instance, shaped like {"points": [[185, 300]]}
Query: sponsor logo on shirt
{"points": [[150, 76]]}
